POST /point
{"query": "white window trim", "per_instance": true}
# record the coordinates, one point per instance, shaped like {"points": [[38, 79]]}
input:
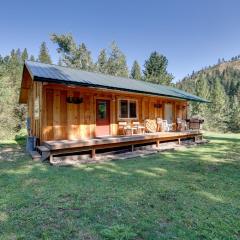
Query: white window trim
{"points": [[119, 108]]}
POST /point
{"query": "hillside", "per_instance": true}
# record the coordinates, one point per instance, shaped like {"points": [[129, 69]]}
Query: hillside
{"points": [[221, 85], [220, 68], [234, 64]]}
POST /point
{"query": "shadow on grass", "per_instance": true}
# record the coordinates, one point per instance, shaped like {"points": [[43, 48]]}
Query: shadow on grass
{"points": [[224, 138]]}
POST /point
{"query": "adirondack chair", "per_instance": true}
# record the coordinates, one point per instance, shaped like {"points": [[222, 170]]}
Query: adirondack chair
{"points": [[151, 125]]}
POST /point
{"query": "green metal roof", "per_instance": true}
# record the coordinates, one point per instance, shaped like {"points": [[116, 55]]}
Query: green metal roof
{"points": [[65, 75]]}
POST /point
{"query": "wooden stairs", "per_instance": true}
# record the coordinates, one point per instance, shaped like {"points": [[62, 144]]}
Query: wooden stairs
{"points": [[42, 153], [35, 155]]}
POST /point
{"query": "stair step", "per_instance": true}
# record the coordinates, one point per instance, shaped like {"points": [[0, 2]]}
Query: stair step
{"points": [[43, 149], [35, 155]]}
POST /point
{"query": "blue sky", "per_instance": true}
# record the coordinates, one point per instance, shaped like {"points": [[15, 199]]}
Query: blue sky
{"points": [[191, 33]]}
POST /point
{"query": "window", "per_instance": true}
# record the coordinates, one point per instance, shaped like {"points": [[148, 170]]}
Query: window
{"points": [[123, 109], [132, 109], [102, 110], [127, 109]]}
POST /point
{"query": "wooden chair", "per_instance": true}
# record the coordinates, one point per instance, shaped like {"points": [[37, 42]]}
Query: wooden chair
{"points": [[159, 124], [184, 125], [126, 128], [138, 127], [167, 126], [122, 127], [181, 124], [151, 125]]}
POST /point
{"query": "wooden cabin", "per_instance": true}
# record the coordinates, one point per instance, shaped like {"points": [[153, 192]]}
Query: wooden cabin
{"points": [[65, 104]]}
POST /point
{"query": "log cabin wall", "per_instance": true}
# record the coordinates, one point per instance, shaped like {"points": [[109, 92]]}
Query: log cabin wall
{"points": [[61, 120]]}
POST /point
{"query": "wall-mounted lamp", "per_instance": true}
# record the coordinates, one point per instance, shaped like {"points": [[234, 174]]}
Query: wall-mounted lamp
{"points": [[157, 105]]}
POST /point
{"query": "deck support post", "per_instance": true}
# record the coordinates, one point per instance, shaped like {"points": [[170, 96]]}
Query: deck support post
{"points": [[51, 158], [157, 143], [93, 153], [179, 141], [132, 147]]}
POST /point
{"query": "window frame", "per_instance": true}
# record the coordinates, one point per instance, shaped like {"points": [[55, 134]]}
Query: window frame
{"points": [[129, 100]]}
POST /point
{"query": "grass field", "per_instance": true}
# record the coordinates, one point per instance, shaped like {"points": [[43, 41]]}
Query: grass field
{"points": [[187, 194]]}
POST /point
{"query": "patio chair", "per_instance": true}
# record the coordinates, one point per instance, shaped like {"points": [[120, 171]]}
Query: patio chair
{"points": [[167, 127], [122, 127], [181, 124], [151, 125], [159, 124], [138, 127], [126, 128]]}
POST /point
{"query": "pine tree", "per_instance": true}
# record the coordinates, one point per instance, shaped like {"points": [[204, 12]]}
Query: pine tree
{"points": [[73, 55], [201, 90], [102, 62], [11, 113], [18, 55], [24, 55], [85, 58], [117, 65], [156, 69], [201, 109], [44, 56], [234, 116], [218, 107], [136, 71], [32, 58]]}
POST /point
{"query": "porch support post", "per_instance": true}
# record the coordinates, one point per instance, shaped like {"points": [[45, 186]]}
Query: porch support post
{"points": [[179, 141], [157, 143], [132, 147], [93, 153], [51, 158]]}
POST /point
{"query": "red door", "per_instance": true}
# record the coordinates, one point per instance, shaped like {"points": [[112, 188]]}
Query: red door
{"points": [[102, 117]]}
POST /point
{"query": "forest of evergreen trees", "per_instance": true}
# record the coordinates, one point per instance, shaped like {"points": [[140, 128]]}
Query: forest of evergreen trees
{"points": [[221, 87]]}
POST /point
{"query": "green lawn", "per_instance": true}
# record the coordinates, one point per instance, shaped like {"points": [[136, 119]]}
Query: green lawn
{"points": [[186, 194]]}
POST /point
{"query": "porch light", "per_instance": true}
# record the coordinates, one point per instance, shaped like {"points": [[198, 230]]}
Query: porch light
{"points": [[157, 105]]}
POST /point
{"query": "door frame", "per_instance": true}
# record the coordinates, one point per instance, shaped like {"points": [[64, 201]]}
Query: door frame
{"points": [[164, 112], [109, 112]]}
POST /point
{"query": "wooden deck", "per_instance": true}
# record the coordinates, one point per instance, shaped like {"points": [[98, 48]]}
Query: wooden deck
{"points": [[74, 146]]}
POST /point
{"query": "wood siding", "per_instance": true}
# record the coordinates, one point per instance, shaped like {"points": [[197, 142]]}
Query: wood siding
{"points": [[34, 94], [61, 120]]}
